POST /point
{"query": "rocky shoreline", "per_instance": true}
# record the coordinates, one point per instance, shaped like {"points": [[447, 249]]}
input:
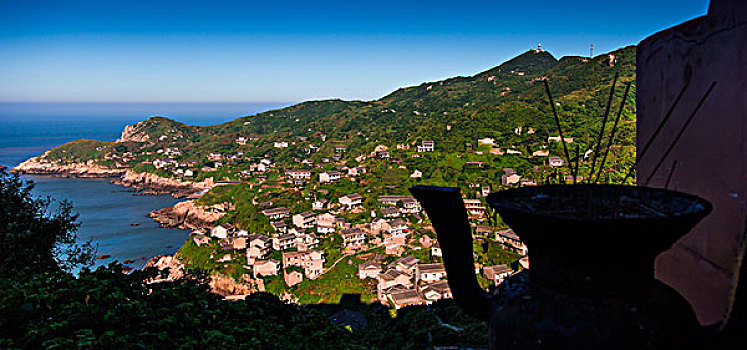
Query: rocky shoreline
{"points": [[185, 215], [188, 215]]}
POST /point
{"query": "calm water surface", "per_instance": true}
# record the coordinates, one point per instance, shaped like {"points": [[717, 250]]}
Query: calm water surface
{"points": [[113, 218]]}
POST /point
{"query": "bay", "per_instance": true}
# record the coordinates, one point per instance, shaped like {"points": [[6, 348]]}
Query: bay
{"points": [[111, 217]]}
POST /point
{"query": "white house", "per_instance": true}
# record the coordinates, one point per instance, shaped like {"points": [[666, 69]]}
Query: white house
{"points": [[430, 272], [427, 146], [306, 219], [351, 200], [329, 176], [222, 231]]}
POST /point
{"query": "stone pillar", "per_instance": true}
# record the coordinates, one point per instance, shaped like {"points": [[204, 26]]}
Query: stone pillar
{"points": [[711, 155]]}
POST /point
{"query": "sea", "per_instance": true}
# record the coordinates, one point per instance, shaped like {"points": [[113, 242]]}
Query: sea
{"points": [[113, 218]]}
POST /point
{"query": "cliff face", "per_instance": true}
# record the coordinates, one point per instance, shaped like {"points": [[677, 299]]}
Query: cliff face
{"points": [[134, 133], [188, 215]]}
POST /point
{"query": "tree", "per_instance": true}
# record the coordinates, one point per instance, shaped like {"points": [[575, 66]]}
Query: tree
{"points": [[32, 238]]}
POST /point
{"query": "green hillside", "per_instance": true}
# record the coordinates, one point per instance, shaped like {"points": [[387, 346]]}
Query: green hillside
{"points": [[505, 107], [453, 113]]}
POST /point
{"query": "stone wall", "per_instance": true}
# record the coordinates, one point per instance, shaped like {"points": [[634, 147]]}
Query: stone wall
{"points": [[712, 152]]}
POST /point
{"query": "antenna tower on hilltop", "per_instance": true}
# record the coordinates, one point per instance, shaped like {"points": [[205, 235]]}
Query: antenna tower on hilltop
{"points": [[539, 47], [591, 51]]}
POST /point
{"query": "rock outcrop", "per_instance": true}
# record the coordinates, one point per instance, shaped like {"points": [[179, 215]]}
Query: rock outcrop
{"points": [[133, 133], [147, 183], [189, 215], [39, 165], [225, 286], [163, 262]]}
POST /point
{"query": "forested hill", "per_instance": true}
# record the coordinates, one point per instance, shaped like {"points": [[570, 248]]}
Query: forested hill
{"points": [[453, 113]]}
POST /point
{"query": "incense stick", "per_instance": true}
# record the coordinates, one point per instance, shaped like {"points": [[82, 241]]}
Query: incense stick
{"points": [[671, 173], [656, 132], [682, 131], [604, 125], [612, 133], [557, 123]]}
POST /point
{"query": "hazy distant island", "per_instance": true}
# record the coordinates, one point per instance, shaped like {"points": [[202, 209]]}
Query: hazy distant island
{"points": [[310, 202]]}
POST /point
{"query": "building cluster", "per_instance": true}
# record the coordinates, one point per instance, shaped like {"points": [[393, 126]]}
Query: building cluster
{"points": [[395, 228]]}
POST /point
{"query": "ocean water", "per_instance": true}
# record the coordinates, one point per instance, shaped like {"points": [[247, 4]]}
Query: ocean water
{"points": [[109, 215]]}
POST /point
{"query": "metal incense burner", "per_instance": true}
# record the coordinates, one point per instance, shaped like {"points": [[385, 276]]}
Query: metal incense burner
{"points": [[591, 282]]}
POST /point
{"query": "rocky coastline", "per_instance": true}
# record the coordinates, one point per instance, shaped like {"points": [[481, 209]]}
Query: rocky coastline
{"points": [[189, 215], [185, 215], [35, 166]]}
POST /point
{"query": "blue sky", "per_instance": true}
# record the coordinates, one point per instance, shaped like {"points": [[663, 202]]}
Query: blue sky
{"points": [[250, 51]]}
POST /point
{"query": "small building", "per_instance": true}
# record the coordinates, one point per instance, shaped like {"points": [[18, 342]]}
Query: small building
{"points": [[329, 176], [430, 272], [410, 205], [319, 204], [474, 207], [355, 171], [326, 223], [352, 200], [293, 258], [436, 290], [405, 264], [276, 213], [283, 242], [497, 273], [265, 268], [391, 278], [298, 174], [416, 174], [391, 200], [510, 177], [306, 219], [436, 250], [369, 269], [557, 139], [426, 146], [510, 239], [239, 243], [398, 227], [353, 238], [390, 212], [292, 278], [406, 297], [486, 141], [222, 231], [279, 226]]}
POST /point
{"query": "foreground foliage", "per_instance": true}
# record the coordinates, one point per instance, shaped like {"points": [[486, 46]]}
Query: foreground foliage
{"points": [[105, 308]]}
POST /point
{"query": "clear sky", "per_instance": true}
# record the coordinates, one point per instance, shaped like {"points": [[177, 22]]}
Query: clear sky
{"points": [[275, 50]]}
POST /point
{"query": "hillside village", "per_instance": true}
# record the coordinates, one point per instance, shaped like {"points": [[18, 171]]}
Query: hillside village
{"points": [[396, 256], [310, 202]]}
